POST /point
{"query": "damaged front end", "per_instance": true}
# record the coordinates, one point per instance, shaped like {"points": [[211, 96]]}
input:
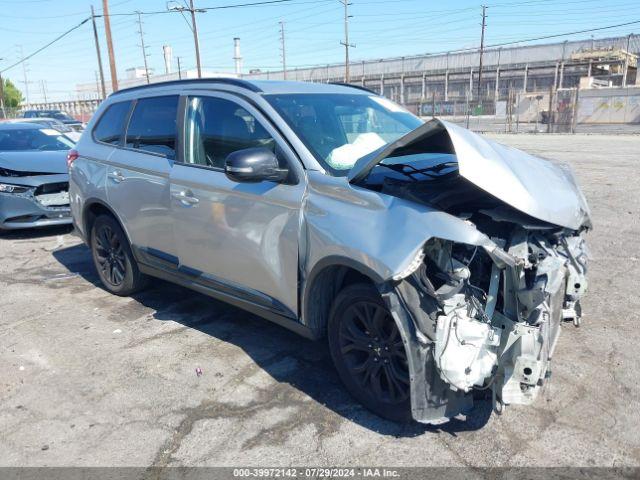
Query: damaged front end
{"points": [[480, 321], [484, 312]]}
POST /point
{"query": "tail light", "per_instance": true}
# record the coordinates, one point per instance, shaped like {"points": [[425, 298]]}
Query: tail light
{"points": [[71, 157]]}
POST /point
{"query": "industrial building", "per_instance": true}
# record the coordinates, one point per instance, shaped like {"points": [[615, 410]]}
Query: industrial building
{"points": [[451, 79], [517, 84]]}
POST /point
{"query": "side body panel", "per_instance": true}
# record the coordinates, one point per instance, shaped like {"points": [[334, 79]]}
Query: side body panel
{"points": [[138, 190], [87, 180], [243, 236]]}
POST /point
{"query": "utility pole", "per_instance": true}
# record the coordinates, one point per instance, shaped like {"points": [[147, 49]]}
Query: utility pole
{"points": [[2, 112], [484, 24], [97, 84], [194, 28], [626, 62], [284, 52], [24, 73], [112, 57], [144, 50], [195, 37], [347, 45], [95, 37], [43, 85], [179, 69]]}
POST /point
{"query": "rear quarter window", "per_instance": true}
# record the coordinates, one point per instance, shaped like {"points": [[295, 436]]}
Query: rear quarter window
{"points": [[110, 127], [152, 127]]}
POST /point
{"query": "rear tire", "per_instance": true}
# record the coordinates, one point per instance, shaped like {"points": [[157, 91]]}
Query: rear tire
{"points": [[368, 352], [113, 258]]}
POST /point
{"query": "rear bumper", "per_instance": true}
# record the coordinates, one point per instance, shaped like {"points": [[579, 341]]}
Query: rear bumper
{"points": [[23, 211]]}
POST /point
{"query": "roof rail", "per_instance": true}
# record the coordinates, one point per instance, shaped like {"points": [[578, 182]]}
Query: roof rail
{"points": [[228, 81], [359, 87]]}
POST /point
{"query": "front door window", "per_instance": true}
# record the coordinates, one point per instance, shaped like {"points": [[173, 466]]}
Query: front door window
{"points": [[216, 127]]}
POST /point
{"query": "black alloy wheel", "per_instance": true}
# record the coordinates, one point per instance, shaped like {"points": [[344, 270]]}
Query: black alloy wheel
{"points": [[113, 258], [110, 256], [369, 352]]}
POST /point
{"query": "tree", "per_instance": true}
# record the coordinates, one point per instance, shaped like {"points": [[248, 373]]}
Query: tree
{"points": [[12, 96]]}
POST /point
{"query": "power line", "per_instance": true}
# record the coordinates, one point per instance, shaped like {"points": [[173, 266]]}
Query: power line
{"points": [[62, 35], [525, 40], [220, 7], [545, 37]]}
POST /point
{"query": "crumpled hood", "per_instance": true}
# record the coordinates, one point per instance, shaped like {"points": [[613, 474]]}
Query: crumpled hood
{"points": [[534, 186], [35, 161]]}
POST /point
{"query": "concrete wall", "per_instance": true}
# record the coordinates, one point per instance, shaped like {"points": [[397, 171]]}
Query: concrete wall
{"points": [[615, 105]]}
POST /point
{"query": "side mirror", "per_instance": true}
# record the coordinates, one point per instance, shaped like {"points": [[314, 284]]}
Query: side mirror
{"points": [[254, 165]]}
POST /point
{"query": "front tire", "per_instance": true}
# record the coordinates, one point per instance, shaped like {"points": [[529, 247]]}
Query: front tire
{"points": [[368, 352], [113, 258]]}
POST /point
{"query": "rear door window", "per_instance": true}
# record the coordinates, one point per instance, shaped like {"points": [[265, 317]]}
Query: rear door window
{"points": [[110, 127], [152, 127]]}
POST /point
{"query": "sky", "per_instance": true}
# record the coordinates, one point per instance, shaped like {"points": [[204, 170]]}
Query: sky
{"points": [[313, 32]]}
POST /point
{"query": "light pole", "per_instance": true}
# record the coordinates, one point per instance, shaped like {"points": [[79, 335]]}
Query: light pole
{"points": [[2, 112]]}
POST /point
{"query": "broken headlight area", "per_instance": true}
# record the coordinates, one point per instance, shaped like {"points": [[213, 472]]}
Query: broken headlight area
{"points": [[487, 317], [11, 188]]}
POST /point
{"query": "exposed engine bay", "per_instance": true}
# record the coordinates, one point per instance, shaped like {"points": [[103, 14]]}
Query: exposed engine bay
{"points": [[483, 316]]}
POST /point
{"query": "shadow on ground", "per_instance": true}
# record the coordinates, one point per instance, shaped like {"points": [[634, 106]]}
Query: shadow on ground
{"points": [[315, 375], [35, 233]]}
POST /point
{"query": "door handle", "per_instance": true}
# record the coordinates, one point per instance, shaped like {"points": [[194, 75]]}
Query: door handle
{"points": [[185, 197], [116, 176]]}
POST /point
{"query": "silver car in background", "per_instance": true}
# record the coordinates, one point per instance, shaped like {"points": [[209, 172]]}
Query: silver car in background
{"points": [[73, 134], [58, 115], [436, 262], [34, 182]]}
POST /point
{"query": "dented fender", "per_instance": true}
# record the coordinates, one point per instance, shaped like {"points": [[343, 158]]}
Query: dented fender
{"points": [[333, 228]]}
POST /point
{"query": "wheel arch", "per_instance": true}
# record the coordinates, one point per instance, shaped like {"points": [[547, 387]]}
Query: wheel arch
{"points": [[327, 278], [93, 208]]}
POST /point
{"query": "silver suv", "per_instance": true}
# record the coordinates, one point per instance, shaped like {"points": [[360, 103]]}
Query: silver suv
{"points": [[434, 261]]}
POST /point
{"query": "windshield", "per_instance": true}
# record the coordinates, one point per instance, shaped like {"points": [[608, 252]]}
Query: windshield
{"points": [[61, 127], [33, 139], [339, 129], [57, 114], [62, 116]]}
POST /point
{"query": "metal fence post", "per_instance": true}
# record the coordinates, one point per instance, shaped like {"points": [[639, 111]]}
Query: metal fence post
{"points": [[518, 112], [550, 115], [466, 109], [574, 110], [433, 104]]}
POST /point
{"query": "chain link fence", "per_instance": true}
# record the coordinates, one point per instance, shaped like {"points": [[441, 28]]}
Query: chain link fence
{"points": [[570, 110], [507, 110], [6, 113]]}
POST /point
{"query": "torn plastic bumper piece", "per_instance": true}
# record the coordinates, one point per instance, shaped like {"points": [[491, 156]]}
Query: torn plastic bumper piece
{"points": [[432, 400]]}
